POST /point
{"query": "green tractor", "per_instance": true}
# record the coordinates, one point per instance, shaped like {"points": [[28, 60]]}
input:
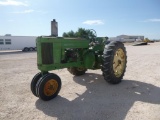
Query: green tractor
{"points": [[77, 55]]}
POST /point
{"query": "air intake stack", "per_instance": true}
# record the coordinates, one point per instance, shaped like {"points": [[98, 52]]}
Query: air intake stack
{"points": [[54, 28]]}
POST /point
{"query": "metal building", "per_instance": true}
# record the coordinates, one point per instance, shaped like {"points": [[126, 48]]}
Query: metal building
{"points": [[127, 38]]}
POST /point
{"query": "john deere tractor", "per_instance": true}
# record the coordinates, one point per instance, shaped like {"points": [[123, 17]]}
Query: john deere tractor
{"points": [[77, 55]]}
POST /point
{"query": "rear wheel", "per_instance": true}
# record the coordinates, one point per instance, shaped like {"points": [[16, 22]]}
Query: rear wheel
{"points": [[31, 49], [35, 49], [77, 71], [25, 49], [48, 86], [114, 62]]}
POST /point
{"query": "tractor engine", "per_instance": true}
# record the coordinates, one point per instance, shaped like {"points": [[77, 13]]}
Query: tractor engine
{"points": [[71, 55]]}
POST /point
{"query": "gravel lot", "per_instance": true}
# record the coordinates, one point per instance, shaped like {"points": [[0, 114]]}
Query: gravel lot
{"points": [[88, 97]]}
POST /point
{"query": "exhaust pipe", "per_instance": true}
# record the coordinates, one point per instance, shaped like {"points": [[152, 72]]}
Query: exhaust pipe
{"points": [[54, 28]]}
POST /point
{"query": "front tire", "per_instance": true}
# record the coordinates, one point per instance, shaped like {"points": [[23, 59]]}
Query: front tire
{"points": [[34, 82], [77, 71], [114, 62], [48, 86]]}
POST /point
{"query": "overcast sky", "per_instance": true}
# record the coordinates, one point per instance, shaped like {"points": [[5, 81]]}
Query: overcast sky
{"points": [[107, 17]]}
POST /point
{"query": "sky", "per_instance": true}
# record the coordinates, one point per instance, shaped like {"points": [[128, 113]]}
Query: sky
{"points": [[107, 17]]}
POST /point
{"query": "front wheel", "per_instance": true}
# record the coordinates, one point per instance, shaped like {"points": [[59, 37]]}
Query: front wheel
{"points": [[34, 82], [48, 86], [114, 62]]}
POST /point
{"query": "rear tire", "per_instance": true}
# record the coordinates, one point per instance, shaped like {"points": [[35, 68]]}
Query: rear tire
{"points": [[35, 49], [31, 49], [25, 49], [48, 86], [77, 71], [114, 62]]}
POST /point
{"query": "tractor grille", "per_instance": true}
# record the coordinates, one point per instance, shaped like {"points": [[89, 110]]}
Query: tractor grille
{"points": [[47, 53]]}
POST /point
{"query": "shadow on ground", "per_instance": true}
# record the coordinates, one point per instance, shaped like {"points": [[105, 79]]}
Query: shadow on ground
{"points": [[101, 100]]}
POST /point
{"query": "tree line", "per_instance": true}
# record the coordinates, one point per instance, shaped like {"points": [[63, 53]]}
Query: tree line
{"points": [[81, 32]]}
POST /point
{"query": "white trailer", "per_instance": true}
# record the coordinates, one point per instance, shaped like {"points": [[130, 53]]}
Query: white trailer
{"points": [[24, 43]]}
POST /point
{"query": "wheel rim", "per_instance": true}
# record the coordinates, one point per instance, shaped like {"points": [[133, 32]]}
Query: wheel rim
{"points": [[50, 87], [119, 62]]}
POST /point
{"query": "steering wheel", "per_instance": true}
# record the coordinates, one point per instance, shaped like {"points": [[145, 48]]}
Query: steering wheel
{"points": [[94, 32]]}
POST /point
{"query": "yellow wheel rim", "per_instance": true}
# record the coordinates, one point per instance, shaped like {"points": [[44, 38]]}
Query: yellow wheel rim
{"points": [[50, 87], [119, 62]]}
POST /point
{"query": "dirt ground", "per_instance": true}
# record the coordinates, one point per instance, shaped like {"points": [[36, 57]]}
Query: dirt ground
{"points": [[88, 97]]}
